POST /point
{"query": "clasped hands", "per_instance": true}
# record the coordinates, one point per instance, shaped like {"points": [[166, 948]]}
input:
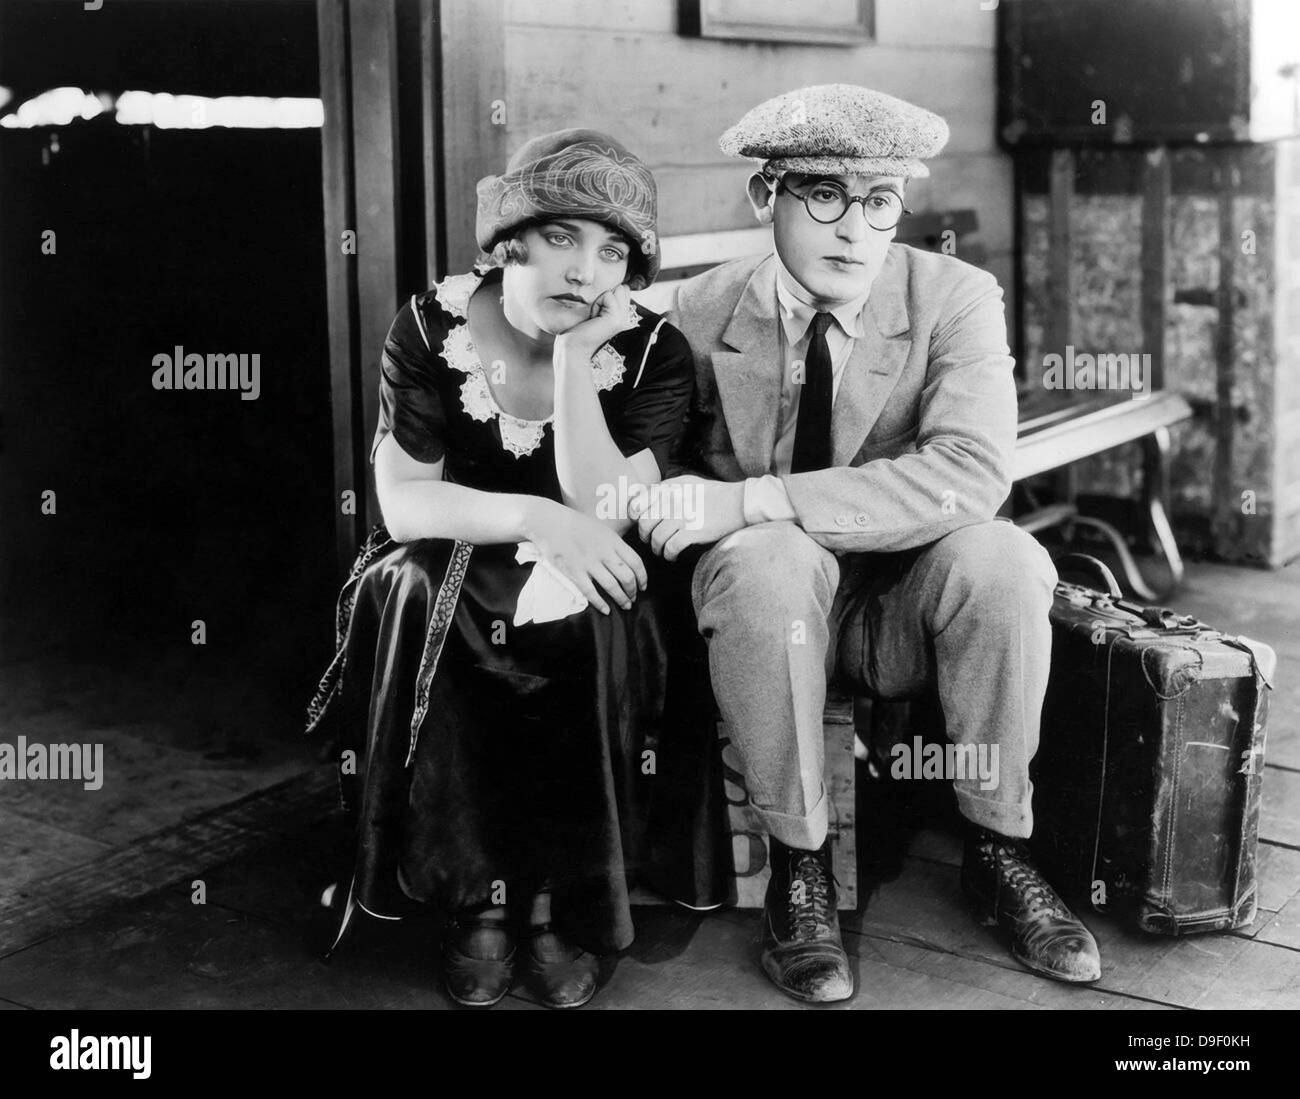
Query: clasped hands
{"points": [[686, 511], [671, 515]]}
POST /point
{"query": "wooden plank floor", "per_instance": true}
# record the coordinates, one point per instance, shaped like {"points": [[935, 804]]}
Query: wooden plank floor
{"points": [[101, 914], [256, 943]]}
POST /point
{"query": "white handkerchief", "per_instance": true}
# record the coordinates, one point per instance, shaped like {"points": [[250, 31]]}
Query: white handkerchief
{"points": [[548, 595]]}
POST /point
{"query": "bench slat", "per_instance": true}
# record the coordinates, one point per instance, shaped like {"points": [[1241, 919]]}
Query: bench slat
{"points": [[710, 249], [691, 253], [1093, 432], [658, 298]]}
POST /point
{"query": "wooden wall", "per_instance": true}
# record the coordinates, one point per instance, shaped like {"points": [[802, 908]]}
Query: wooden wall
{"points": [[425, 97], [621, 66]]}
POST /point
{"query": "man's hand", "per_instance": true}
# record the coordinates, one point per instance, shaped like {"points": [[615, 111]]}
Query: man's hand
{"points": [[687, 511]]}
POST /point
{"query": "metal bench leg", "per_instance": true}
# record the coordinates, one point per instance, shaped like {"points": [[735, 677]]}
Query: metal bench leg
{"points": [[1132, 574], [1155, 486], [1155, 490]]}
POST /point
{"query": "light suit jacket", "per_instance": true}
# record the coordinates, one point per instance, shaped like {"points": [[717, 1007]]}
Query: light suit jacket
{"points": [[924, 423]]}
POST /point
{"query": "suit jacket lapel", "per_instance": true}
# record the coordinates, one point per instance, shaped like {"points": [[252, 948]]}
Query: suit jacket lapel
{"points": [[749, 378], [875, 364]]}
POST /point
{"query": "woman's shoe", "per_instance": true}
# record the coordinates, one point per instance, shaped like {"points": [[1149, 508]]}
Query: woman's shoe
{"points": [[473, 980], [568, 982]]}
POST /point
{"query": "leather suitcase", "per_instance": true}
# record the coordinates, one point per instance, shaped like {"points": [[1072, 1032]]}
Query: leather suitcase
{"points": [[1148, 773]]}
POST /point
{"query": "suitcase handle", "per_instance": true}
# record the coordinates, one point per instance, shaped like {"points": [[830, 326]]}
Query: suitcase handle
{"points": [[1159, 618], [1089, 562]]}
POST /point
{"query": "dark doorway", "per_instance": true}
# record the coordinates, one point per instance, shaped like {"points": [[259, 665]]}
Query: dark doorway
{"points": [[170, 507]]}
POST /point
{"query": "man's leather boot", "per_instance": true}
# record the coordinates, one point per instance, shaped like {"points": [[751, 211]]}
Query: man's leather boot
{"points": [[802, 949], [1007, 890]]}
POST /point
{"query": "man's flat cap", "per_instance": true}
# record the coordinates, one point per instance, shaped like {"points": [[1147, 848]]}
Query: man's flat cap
{"points": [[834, 129]]}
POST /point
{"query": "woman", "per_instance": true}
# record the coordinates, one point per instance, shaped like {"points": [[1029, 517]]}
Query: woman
{"points": [[517, 771]]}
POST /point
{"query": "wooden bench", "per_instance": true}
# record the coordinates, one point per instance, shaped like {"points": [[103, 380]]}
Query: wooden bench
{"points": [[1047, 439]]}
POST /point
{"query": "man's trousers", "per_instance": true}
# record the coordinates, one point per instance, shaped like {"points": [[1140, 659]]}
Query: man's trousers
{"points": [[966, 614]]}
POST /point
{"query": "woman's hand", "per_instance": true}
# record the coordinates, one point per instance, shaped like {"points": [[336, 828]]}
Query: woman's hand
{"points": [[611, 313], [587, 552]]}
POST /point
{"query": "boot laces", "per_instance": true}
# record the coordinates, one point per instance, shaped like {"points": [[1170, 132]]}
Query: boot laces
{"points": [[1040, 897], [809, 906]]}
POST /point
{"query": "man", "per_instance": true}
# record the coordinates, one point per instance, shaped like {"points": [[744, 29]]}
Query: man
{"points": [[854, 423]]}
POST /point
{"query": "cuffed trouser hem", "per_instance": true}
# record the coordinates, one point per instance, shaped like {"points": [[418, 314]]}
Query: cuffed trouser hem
{"points": [[1014, 819], [806, 832]]}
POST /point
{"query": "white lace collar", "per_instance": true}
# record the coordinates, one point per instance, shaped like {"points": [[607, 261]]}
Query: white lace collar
{"points": [[518, 436]]}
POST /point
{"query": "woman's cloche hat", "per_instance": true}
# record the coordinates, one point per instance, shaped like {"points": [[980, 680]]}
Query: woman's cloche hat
{"points": [[574, 173]]}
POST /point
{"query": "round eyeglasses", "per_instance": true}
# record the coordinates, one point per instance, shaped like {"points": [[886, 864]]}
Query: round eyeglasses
{"points": [[827, 201]]}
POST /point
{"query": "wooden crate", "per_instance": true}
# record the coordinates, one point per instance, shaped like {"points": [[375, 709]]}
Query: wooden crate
{"points": [[749, 838]]}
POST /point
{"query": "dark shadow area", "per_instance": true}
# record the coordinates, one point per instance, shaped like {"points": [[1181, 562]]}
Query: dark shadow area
{"points": [[170, 507]]}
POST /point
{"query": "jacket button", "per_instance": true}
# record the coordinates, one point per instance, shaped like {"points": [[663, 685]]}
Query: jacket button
{"points": [[842, 520], [862, 519]]}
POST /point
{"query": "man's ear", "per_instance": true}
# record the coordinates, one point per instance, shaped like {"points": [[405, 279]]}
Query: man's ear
{"points": [[762, 197]]}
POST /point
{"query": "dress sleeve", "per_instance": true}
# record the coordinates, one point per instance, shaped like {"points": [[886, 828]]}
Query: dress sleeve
{"points": [[410, 408], [654, 414]]}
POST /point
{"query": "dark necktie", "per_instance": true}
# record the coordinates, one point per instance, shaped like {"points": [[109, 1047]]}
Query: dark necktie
{"points": [[812, 432]]}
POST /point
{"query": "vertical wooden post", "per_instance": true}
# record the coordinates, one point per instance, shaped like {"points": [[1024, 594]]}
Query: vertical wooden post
{"points": [[340, 272], [1155, 260], [430, 140], [377, 171], [474, 94], [1156, 175], [1060, 301], [1227, 524], [416, 109], [1018, 265], [379, 81]]}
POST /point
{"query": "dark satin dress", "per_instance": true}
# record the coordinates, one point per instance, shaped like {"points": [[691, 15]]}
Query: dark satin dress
{"points": [[575, 755]]}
